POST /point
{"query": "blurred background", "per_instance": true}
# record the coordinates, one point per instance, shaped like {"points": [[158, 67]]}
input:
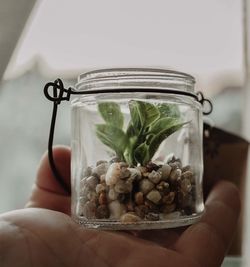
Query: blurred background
{"points": [[46, 39]]}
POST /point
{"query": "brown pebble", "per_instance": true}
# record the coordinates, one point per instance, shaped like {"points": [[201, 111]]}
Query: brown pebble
{"points": [[123, 186], [169, 198], [186, 168], [188, 175], [89, 210], [130, 206], [102, 178], [100, 188], [139, 198], [165, 171], [112, 194], [155, 177], [185, 186], [146, 186], [168, 208], [102, 212], [154, 196], [175, 175], [102, 199], [99, 162], [163, 187]]}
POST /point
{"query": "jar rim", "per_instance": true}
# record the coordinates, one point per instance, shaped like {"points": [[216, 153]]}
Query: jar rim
{"points": [[154, 78]]}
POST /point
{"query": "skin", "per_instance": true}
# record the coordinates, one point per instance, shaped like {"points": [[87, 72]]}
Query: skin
{"points": [[43, 234]]}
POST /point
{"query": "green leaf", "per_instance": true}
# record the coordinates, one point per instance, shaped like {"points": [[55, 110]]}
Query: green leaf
{"points": [[141, 154], [161, 124], [129, 151], [112, 137], [172, 127], [142, 113], [111, 113], [169, 110]]}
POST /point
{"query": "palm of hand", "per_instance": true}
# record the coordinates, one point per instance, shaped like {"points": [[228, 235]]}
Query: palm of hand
{"points": [[42, 237]]}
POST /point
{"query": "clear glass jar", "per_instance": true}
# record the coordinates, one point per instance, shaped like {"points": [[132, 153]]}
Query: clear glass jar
{"points": [[137, 160]]}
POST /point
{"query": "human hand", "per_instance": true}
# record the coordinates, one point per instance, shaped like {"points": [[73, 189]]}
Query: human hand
{"points": [[45, 235]]}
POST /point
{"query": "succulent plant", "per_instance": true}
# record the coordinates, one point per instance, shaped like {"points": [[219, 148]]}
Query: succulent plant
{"points": [[149, 126]]}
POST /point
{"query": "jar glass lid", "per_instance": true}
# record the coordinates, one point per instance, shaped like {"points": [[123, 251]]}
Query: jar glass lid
{"points": [[138, 78]]}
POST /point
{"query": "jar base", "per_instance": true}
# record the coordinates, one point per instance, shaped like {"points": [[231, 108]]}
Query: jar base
{"points": [[141, 225]]}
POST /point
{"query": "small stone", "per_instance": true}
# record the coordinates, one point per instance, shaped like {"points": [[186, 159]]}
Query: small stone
{"points": [[92, 196], [151, 216], [130, 206], [152, 206], [175, 175], [100, 188], [130, 217], [125, 173], [102, 212], [185, 185], [123, 187], [112, 194], [99, 162], [175, 161], [135, 174], [89, 210], [139, 198], [146, 186], [116, 209], [188, 175], [174, 165], [169, 198], [100, 169], [84, 190], [154, 196], [141, 211], [186, 168], [102, 178], [92, 182], [165, 171], [113, 173], [154, 177], [83, 200], [102, 199], [168, 208], [87, 172], [163, 187]]}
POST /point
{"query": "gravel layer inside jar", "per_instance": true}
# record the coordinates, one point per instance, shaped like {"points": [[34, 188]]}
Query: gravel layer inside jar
{"points": [[113, 190]]}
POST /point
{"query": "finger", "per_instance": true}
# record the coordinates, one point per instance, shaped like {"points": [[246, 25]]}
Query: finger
{"points": [[47, 192], [208, 241]]}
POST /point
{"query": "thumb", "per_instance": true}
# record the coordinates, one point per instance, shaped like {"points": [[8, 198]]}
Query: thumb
{"points": [[47, 192]]}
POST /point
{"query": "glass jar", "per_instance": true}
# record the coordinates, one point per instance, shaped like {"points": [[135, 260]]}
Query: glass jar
{"points": [[137, 159]]}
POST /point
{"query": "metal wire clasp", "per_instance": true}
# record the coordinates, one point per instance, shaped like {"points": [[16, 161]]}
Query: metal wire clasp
{"points": [[206, 103], [58, 91]]}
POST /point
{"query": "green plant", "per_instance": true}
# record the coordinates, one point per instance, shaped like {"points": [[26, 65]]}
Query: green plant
{"points": [[148, 127]]}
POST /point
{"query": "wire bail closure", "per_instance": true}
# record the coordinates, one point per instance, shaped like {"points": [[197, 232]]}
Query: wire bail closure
{"points": [[60, 93]]}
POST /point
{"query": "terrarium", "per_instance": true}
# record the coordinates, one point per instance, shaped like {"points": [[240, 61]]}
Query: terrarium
{"points": [[137, 159]]}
